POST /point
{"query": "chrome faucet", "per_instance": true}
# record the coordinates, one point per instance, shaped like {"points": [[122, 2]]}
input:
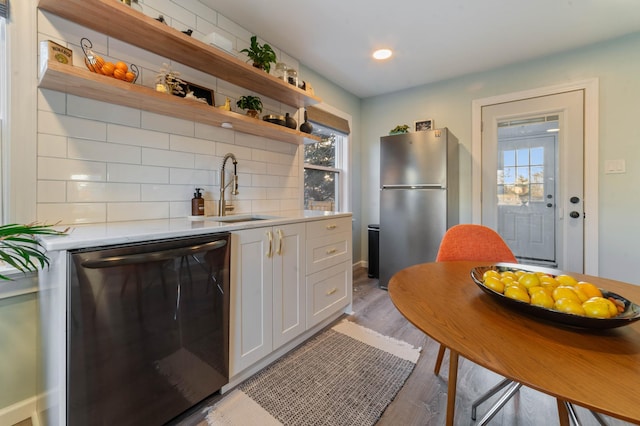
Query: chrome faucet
{"points": [[222, 205]]}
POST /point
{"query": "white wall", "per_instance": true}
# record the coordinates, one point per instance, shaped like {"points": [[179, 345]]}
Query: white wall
{"points": [[616, 65]]}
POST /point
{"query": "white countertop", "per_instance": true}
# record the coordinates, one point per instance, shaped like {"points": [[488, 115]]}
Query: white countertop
{"points": [[101, 234]]}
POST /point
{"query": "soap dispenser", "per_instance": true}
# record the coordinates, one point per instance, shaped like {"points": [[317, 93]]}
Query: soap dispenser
{"points": [[197, 203]]}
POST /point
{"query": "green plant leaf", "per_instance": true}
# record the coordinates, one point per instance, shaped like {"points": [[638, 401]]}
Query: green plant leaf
{"points": [[20, 248]]}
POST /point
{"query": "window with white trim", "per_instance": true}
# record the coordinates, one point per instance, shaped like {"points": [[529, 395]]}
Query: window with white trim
{"points": [[324, 165]]}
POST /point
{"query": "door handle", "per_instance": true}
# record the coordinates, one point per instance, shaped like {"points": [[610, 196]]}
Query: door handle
{"points": [[280, 238], [574, 214], [270, 250]]}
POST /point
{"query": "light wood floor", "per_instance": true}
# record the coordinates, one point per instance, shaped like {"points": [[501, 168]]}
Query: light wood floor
{"points": [[423, 399]]}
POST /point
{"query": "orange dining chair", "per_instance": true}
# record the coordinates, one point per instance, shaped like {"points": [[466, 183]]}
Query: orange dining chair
{"points": [[477, 242]]}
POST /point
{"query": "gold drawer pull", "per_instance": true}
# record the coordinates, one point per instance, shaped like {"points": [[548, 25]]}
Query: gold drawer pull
{"points": [[332, 226], [330, 292], [332, 250]]}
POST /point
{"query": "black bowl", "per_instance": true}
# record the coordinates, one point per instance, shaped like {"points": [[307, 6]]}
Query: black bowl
{"points": [[630, 314]]}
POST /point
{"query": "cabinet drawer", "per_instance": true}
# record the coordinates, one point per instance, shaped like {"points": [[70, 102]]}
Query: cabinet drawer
{"points": [[327, 292], [325, 227], [327, 251]]}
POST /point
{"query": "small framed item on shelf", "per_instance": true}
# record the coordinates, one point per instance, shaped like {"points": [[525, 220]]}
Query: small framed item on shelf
{"points": [[52, 51], [422, 125], [198, 93]]}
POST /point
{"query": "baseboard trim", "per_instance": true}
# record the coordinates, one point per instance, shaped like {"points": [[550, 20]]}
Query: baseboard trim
{"points": [[18, 412], [360, 264]]}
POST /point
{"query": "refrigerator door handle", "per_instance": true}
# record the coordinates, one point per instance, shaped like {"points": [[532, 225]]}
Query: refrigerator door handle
{"points": [[418, 186]]}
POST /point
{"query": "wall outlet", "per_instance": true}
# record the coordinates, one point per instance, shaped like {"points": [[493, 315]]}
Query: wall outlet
{"points": [[615, 166]]}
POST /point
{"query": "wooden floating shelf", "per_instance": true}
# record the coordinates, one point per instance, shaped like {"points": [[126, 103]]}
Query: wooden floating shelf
{"points": [[84, 83], [119, 21]]}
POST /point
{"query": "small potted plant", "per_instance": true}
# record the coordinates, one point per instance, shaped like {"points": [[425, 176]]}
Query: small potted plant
{"points": [[399, 129], [261, 55], [252, 104]]}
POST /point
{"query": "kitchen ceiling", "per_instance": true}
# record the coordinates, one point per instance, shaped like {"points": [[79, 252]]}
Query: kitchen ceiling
{"points": [[432, 40]]}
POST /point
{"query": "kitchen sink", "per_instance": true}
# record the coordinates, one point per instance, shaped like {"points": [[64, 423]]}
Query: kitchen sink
{"points": [[240, 218]]}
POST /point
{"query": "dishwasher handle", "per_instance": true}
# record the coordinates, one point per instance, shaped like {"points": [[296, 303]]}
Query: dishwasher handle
{"points": [[154, 256]]}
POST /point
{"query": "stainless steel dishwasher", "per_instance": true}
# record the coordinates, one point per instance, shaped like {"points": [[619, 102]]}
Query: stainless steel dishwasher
{"points": [[147, 329]]}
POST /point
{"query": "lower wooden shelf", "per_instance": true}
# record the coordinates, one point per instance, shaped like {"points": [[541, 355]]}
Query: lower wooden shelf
{"points": [[84, 83]]}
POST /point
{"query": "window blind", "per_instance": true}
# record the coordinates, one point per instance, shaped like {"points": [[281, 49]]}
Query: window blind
{"points": [[4, 8], [327, 119]]}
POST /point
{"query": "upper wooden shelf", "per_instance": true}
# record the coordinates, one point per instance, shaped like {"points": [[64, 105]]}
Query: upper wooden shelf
{"points": [[123, 23], [80, 82]]}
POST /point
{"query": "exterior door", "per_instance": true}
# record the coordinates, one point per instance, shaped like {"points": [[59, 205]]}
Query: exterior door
{"points": [[532, 177]]}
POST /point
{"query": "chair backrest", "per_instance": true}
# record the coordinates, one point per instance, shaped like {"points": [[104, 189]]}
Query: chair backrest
{"points": [[474, 242]]}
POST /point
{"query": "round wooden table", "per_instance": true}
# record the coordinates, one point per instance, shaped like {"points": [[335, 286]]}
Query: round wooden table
{"points": [[598, 370]]}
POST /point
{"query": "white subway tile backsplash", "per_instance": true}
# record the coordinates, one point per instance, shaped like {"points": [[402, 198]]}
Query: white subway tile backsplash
{"points": [[70, 170], [241, 153], [118, 212], [71, 213], [137, 173], [180, 209], [162, 123], [52, 146], [207, 162], [52, 191], [267, 181], [192, 177], [52, 101], [252, 167], [212, 133], [282, 169], [160, 157], [139, 137], [250, 141], [173, 10], [233, 28], [194, 145], [251, 193], [91, 192], [63, 125], [102, 151], [166, 192], [265, 205], [102, 111]]}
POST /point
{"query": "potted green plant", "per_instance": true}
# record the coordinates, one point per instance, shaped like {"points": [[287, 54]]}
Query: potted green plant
{"points": [[252, 104], [261, 55], [20, 248], [403, 128]]}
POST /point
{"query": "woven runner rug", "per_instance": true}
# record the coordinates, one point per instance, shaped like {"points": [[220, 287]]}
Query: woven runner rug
{"points": [[346, 375]]}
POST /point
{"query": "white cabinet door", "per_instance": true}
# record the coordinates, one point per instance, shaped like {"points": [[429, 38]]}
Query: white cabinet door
{"points": [[289, 290], [251, 333]]}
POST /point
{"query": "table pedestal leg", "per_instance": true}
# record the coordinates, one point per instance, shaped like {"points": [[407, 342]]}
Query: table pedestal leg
{"points": [[451, 391], [563, 414]]}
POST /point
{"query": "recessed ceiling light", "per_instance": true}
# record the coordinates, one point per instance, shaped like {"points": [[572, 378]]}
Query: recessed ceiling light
{"points": [[381, 54]]}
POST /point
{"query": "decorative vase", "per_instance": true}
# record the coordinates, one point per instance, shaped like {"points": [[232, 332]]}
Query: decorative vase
{"points": [[290, 121], [306, 127], [253, 113]]}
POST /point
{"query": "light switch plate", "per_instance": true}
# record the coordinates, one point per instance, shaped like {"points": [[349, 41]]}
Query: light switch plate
{"points": [[615, 166]]}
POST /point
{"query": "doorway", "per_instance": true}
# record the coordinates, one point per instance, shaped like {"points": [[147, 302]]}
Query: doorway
{"points": [[531, 187]]}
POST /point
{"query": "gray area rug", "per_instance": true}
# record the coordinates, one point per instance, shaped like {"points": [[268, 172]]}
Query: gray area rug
{"points": [[332, 379]]}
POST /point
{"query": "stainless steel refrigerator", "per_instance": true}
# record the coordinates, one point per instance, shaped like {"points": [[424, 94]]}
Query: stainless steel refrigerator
{"points": [[418, 197]]}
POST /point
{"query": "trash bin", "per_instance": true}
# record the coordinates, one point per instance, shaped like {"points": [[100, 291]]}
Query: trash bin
{"points": [[374, 250]]}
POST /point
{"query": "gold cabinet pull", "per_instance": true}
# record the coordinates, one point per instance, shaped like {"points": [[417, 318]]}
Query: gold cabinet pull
{"points": [[332, 250], [280, 238], [330, 292], [270, 250], [332, 226]]}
